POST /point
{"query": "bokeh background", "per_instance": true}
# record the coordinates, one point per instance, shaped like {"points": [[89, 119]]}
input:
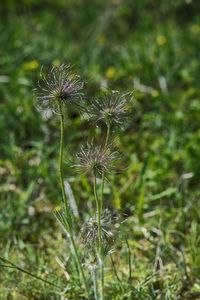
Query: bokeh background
{"points": [[150, 46]]}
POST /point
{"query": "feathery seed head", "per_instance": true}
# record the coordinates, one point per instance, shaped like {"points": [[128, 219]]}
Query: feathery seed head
{"points": [[96, 159], [89, 232], [59, 86], [111, 109]]}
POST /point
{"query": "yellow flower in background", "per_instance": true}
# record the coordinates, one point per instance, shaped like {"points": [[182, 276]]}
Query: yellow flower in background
{"points": [[154, 93], [161, 40], [31, 65], [110, 73], [101, 39], [56, 62]]}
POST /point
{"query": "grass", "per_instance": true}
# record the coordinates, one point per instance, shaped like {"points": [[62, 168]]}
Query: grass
{"points": [[123, 45]]}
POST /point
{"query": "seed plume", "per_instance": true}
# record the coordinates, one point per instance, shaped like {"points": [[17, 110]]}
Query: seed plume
{"points": [[59, 87], [111, 109], [89, 231], [96, 159]]}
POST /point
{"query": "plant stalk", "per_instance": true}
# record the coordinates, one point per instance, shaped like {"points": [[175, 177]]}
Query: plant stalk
{"points": [[103, 175], [129, 262], [94, 277], [75, 253], [107, 135], [99, 206], [66, 203], [64, 197]]}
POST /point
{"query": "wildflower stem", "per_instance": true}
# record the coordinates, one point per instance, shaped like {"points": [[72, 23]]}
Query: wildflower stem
{"points": [[103, 175], [99, 221], [94, 277], [107, 135], [98, 205], [66, 204], [75, 252], [98, 212], [129, 261]]}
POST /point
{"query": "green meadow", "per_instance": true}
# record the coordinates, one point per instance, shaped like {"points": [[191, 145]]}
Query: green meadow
{"points": [[151, 48]]}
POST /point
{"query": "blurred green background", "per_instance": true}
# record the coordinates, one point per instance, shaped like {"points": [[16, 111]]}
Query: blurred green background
{"points": [[150, 46]]}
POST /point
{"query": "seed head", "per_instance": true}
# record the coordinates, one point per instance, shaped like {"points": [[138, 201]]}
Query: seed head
{"points": [[89, 232], [59, 86], [96, 159], [111, 109]]}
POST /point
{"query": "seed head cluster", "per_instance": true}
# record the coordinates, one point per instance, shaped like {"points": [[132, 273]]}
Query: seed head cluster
{"points": [[60, 87], [111, 109]]}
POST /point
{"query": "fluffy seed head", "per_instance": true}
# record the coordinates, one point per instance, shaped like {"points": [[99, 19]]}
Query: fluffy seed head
{"points": [[89, 232], [111, 109], [96, 159], [59, 86]]}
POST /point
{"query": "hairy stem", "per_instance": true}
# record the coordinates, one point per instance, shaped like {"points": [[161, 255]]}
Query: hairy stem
{"points": [[98, 205], [103, 175], [64, 197], [107, 135], [129, 261], [66, 203], [94, 277], [75, 253], [101, 207]]}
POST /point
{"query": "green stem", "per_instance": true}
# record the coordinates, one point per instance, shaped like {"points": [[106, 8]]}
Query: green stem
{"points": [[94, 277], [64, 198], [66, 203], [98, 205], [129, 261], [103, 175], [101, 207], [79, 265], [107, 135]]}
